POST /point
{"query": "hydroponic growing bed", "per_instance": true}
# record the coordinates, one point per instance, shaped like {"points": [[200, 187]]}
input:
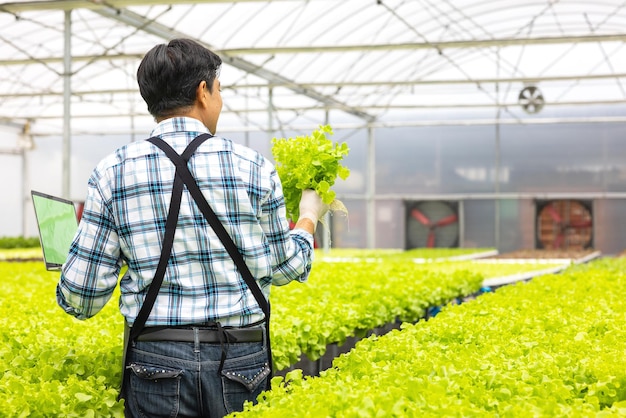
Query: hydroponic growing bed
{"points": [[55, 365], [551, 347]]}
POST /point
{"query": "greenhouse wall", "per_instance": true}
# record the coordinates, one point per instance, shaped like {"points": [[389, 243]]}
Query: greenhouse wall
{"points": [[493, 173]]}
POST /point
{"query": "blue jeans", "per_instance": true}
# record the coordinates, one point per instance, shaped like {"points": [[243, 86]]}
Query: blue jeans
{"points": [[180, 379]]}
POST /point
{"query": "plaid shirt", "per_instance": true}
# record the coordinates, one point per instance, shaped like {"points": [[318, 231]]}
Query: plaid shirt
{"points": [[124, 221]]}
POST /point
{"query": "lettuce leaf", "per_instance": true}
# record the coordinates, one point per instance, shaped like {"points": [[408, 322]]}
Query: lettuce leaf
{"points": [[309, 162]]}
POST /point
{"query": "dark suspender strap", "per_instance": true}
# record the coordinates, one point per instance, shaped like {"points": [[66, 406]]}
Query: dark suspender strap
{"points": [[168, 241], [203, 205], [183, 171]]}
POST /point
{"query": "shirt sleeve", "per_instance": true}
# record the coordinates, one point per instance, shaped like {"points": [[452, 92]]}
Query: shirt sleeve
{"points": [[292, 251], [90, 273]]}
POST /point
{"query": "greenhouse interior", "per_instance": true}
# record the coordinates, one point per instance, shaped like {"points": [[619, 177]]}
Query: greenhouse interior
{"points": [[478, 265], [504, 119]]}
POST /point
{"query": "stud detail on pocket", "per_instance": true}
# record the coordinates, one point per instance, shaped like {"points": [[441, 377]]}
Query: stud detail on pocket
{"points": [[145, 371], [250, 382]]}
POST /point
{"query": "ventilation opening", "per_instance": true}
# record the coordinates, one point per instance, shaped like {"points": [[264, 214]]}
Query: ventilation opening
{"points": [[564, 224], [432, 224]]}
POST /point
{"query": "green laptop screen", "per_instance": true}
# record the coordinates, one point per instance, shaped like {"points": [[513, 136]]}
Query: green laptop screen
{"points": [[57, 223]]}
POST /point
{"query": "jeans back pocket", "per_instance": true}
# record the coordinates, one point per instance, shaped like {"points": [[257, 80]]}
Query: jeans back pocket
{"points": [[155, 390]]}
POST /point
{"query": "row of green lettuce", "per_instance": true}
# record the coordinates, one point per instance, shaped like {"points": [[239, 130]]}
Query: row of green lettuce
{"points": [[19, 242], [52, 364], [346, 299], [550, 347], [55, 365], [379, 254]]}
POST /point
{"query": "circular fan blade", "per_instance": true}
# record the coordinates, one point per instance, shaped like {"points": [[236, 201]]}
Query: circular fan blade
{"points": [[432, 224], [419, 216], [580, 224], [430, 243], [558, 240], [554, 214], [448, 220], [531, 99], [564, 224]]}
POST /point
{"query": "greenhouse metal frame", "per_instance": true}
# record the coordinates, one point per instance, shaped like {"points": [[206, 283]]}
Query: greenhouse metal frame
{"points": [[371, 69]]}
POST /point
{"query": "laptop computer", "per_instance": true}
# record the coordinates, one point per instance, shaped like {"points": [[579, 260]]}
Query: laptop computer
{"points": [[57, 224]]}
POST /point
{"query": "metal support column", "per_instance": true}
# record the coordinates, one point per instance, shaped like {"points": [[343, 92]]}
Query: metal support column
{"points": [[371, 188], [497, 162], [24, 192], [496, 218], [270, 113], [67, 90], [326, 224], [25, 145]]}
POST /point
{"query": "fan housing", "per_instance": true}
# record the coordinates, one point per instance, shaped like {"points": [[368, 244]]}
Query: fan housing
{"points": [[564, 224], [531, 99], [432, 224]]}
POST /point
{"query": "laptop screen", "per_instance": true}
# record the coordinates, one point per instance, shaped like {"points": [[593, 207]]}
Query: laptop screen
{"points": [[57, 224]]}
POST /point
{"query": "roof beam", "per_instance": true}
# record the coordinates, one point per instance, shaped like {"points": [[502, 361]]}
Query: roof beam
{"points": [[346, 48], [473, 43], [393, 83], [348, 84], [301, 109], [394, 124], [75, 58], [486, 43], [16, 7], [135, 20]]}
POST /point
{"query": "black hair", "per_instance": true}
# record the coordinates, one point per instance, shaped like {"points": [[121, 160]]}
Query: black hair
{"points": [[169, 75]]}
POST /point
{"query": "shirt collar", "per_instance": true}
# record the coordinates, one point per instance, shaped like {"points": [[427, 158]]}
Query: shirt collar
{"points": [[178, 125]]}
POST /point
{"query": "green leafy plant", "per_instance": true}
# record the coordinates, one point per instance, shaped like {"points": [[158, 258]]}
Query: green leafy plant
{"points": [[21, 254], [309, 162], [19, 242], [550, 347], [354, 297], [55, 365]]}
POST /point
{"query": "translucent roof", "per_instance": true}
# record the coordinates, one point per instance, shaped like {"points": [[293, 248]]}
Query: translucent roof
{"points": [[298, 62]]}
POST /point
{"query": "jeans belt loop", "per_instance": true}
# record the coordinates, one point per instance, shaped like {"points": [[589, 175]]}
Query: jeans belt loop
{"points": [[196, 340]]}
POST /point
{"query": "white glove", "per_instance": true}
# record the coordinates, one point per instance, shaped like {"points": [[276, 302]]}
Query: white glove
{"points": [[311, 206]]}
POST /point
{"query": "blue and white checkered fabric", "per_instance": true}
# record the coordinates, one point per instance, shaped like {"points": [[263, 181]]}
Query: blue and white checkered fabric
{"points": [[124, 221]]}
